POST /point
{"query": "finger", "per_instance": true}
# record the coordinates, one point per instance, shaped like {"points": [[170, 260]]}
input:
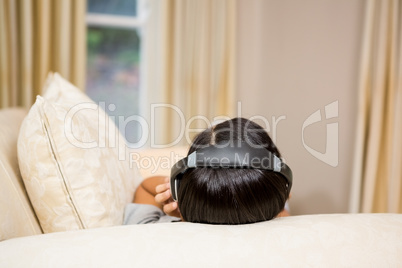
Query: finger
{"points": [[167, 179], [163, 197], [169, 208], [162, 187]]}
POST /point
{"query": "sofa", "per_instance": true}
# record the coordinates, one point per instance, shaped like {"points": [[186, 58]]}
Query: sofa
{"points": [[62, 205]]}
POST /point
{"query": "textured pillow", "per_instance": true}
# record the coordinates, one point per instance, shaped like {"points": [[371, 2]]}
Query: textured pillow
{"points": [[71, 169], [59, 90]]}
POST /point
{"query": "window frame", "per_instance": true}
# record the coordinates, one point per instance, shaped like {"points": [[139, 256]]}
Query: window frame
{"points": [[137, 23]]}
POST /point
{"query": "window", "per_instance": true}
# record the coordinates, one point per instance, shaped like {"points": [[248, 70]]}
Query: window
{"points": [[114, 59]]}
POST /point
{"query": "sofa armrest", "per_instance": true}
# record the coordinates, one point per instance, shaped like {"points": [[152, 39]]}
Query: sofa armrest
{"points": [[337, 240]]}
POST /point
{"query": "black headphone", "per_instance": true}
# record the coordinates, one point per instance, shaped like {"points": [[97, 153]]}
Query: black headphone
{"points": [[244, 155]]}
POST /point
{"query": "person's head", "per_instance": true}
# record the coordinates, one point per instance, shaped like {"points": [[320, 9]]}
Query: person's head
{"points": [[230, 195]]}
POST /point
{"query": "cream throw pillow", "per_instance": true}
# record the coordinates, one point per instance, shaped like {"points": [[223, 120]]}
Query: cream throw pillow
{"points": [[59, 90], [70, 165]]}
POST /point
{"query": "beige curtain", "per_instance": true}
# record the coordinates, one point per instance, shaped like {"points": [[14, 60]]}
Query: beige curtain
{"points": [[195, 56], [38, 36], [377, 177]]}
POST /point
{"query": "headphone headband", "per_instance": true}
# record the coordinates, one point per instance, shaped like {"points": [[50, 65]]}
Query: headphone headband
{"points": [[218, 156]]}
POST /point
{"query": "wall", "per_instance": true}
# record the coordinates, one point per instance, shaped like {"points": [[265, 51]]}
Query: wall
{"points": [[294, 58]]}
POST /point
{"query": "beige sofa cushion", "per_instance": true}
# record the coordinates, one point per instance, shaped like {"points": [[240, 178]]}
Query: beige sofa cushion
{"points": [[343, 240], [17, 217], [72, 170]]}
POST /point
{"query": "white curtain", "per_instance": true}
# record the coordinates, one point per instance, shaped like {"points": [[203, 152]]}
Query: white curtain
{"points": [[190, 45], [38, 36], [377, 177]]}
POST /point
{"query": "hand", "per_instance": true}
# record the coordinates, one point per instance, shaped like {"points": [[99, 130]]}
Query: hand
{"points": [[164, 197]]}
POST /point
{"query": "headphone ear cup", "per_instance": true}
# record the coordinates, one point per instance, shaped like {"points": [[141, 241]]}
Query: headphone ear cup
{"points": [[176, 189], [177, 171], [173, 187]]}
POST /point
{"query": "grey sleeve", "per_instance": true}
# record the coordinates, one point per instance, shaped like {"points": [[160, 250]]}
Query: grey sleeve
{"points": [[143, 214]]}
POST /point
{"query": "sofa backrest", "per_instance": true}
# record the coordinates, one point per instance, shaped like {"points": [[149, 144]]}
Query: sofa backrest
{"points": [[17, 217]]}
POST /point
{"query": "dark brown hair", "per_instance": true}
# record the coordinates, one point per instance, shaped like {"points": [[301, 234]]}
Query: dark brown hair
{"points": [[227, 195]]}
